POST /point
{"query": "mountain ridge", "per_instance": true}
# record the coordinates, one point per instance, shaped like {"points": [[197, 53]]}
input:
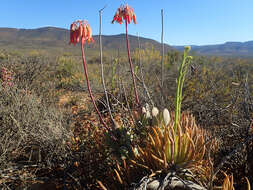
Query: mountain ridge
{"points": [[55, 38], [230, 48]]}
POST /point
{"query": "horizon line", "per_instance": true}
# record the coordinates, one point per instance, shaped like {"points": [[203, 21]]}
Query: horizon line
{"points": [[174, 45]]}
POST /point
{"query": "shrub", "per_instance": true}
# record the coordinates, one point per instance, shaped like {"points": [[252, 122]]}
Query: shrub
{"points": [[35, 74], [31, 131]]}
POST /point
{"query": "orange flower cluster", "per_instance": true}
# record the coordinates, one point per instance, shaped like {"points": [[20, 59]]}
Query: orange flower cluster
{"points": [[80, 31], [124, 12]]}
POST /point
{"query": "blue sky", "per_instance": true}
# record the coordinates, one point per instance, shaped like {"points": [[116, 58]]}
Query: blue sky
{"points": [[186, 22]]}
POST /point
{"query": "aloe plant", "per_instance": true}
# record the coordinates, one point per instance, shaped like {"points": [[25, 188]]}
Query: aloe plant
{"points": [[165, 148], [166, 152]]}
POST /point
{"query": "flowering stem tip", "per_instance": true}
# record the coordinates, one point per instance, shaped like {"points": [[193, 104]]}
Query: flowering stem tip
{"points": [[126, 13]]}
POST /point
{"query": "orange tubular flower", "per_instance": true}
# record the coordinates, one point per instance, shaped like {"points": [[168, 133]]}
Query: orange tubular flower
{"points": [[89, 34], [124, 12], [80, 31]]}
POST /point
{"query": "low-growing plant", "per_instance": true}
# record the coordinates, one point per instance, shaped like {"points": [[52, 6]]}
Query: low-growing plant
{"points": [[228, 183], [31, 131], [34, 75], [6, 77], [68, 74], [166, 154]]}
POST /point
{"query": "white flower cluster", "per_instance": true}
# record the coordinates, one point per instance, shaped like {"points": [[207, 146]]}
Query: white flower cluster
{"points": [[155, 112]]}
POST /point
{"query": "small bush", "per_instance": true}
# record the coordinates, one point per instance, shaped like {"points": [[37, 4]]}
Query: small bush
{"points": [[30, 130]]}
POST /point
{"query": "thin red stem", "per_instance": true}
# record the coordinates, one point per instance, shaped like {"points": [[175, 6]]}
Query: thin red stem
{"points": [[89, 89], [131, 67]]}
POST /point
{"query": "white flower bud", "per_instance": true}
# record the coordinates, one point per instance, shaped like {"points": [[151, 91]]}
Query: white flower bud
{"points": [[143, 110], [166, 116], [155, 111], [147, 107], [148, 115]]}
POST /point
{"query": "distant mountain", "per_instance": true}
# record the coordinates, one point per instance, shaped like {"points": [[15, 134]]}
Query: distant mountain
{"points": [[48, 38], [52, 39], [243, 49]]}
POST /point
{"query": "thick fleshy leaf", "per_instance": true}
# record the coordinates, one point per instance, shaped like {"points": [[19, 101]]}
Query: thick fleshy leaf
{"points": [[118, 176]]}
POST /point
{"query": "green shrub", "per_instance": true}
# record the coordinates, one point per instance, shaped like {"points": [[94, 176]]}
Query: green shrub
{"points": [[68, 73]]}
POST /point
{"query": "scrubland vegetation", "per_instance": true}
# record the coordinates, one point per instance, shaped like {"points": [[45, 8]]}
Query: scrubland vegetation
{"points": [[193, 130], [50, 133]]}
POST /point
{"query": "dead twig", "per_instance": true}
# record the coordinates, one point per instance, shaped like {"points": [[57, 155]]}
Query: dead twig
{"points": [[102, 66], [142, 76]]}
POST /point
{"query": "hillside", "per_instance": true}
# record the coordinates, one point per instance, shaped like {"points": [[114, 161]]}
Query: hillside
{"points": [[57, 38]]}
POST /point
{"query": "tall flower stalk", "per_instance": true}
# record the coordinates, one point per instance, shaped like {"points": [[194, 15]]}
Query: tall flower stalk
{"points": [[162, 44], [126, 12], [180, 83], [80, 31]]}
